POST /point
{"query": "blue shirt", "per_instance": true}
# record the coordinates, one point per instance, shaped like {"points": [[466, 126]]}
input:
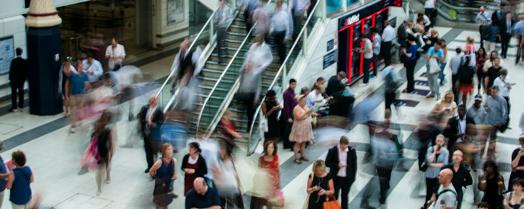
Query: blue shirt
{"points": [[21, 191], [78, 83], [3, 170], [412, 49], [432, 52]]}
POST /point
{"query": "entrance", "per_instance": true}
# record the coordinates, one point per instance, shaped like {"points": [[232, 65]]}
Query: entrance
{"points": [[352, 28]]}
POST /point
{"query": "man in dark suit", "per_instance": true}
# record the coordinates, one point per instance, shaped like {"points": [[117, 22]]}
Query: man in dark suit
{"points": [[150, 119], [342, 163], [506, 26], [17, 77], [456, 128]]}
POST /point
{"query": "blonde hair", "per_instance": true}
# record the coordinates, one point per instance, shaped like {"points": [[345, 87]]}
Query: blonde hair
{"points": [[470, 39], [319, 164]]}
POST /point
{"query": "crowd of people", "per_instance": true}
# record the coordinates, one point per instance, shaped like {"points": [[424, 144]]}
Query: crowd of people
{"points": [[457, 137]]}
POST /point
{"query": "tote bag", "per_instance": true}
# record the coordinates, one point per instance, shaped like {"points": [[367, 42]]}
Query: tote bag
{"points": [[331, 204], [434, 67]]}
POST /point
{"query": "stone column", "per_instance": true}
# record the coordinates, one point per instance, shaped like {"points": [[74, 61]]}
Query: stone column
{"points": [[43, 53]]}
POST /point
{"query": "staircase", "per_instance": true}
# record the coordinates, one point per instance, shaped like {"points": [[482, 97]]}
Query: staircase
{"points": [[213, 69]]}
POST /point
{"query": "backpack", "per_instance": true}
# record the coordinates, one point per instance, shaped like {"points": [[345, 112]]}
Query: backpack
{"points": [[434, 205]]}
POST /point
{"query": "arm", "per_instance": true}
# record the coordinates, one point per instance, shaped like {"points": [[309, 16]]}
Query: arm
{"points": [[468, 179], [310, 188], [202, 168], [330, 162], [67, 88], [515, 159], [506, 201], [353, 163], [155, 167], [10, 180], [482, 183]]}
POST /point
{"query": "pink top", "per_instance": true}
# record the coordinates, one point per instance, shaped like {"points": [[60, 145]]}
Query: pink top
{"points": [[470, 48]]}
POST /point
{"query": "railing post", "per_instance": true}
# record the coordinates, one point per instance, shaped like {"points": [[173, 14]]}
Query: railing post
{"points": [[211, 31], [304, 37], [284, 76]]}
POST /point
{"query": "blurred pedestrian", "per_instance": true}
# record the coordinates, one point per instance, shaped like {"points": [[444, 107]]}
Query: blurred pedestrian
{"points": [[503, 82], [484, 20], [367, 51], [446, 108], [302, 131], [186, 64], [492, 73], [496, 117], [222, 19], [115, 54], [517, 162], [437, 156], [92, 68], [443, 62], [150, 120], [481, 57], [391, 82], [248, 6], [229, 129], [454, 65], [202, 196], [258, 58], [506, 32], [377, 41], [320, 186], [431, 11], [269, 163], [286, 118], [281, 29], [226, 180], [193, 165], [76, 86], [492, 184], [271, 110], [66, 71], [262, 18], [164, 173], [492, 34], [19, 181], [461, 175], [386, 154], [104, 138], [342, 163], [299, 9], [18, 73]]}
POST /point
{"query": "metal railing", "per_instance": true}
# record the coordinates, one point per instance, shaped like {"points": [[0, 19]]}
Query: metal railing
{"points": [[206, 53], [220, 79], [286, 65], [160, 94]]}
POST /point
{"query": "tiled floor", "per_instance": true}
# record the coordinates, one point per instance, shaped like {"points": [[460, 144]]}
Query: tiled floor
{"points": [[55, 156]]}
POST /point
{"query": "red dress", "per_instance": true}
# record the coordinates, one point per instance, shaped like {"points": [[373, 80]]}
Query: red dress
{"points": [[273, 168]]}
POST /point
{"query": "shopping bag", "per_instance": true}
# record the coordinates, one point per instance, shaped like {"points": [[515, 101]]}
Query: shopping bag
{"points": [[90, 158], [331, 204], [434, 67]]}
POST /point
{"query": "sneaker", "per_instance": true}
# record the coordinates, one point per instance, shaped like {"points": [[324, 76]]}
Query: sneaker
{"points": [[107, 181], [72, 130], [13, 110]]}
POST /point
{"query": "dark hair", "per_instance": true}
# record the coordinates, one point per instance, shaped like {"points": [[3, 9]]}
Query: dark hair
{"points": [[483, 205], [196, 146], [517, 181], [411, 38], [503, 72], [164, 148], [19, 51], [344, 140], [292, 81], [320, 79], [374, 30], [461, 106], [19, 157], [458, 50], [271, 93], [266, 144], [492, 164], [484, 55]]}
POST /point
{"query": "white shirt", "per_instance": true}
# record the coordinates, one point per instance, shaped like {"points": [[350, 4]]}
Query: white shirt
{"points": [[388, 34], [455, 62], [342, 158], [262, 17], [315, 98], [93, 71], [430, 4], [223, 17], [149, 115], [116, 55], [281, 21], [503, 86], [462, 125], [483, 18], [299, 5], [368, 46], [197, 55]]}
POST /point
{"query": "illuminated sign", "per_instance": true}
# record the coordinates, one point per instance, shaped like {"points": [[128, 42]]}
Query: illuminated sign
{"points": [[353, 19]]}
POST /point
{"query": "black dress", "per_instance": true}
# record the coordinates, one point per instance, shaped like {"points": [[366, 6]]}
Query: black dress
{"points": [[491, 194], [516, 174], [163, 182], [273, 129], [315, 201]]}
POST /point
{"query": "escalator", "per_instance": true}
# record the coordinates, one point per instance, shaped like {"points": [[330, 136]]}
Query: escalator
{"points": [[221, 97]]}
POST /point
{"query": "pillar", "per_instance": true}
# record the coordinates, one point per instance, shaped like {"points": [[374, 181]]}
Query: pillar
{"points": [[43, 55]]}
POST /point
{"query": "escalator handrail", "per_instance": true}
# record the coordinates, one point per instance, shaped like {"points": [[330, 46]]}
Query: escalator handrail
{"points": [[190, 48], [282, 66], [173, 97], [222, 76]]}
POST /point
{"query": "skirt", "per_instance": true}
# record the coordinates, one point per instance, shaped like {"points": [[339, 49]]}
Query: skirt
{"points": [[466, 89]]}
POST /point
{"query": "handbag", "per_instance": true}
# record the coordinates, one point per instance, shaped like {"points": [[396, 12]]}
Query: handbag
{"points": [[90, 158], [331, 204]]}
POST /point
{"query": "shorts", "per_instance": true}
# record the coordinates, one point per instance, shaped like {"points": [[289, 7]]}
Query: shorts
{"points": [[466, 89]]}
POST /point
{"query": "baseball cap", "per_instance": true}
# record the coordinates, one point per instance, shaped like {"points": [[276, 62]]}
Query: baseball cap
{"points": [[478, 97]]}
